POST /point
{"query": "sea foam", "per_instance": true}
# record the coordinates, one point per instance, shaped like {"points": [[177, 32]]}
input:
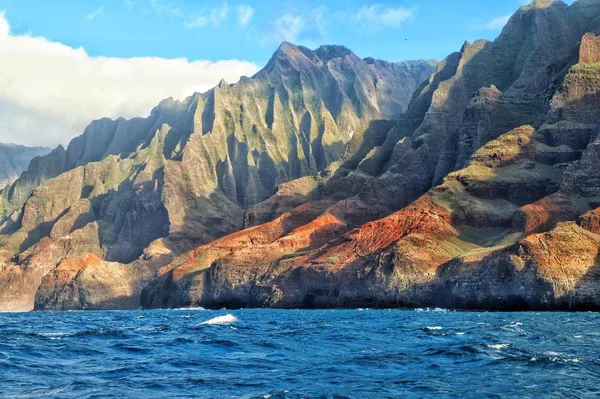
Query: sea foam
{"points": [[221, 320], [498, 346]]}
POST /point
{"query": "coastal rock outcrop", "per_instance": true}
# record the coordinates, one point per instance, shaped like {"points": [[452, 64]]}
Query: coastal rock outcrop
{"points": [[505, 174]]}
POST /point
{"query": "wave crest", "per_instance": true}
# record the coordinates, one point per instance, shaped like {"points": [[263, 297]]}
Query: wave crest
{"points": [[221, 320]]}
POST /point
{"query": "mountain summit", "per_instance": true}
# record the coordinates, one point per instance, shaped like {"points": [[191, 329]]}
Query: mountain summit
{"points": [[317, 183], [483, 195], [185, 175]]}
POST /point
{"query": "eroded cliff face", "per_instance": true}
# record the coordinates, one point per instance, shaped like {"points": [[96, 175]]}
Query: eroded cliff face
{"points": [[185, 175], [484, 194], [489, 183]]}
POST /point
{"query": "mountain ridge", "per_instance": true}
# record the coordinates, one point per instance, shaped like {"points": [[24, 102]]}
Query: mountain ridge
{"points": [[14, 159], [186, 173], [474, 189], [482, 194]]}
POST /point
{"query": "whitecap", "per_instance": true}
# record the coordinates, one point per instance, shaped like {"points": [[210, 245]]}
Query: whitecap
{"points": [[498, 346], [221, 320], [514, 325], [434, 328], [460, 333], [52, 334], [196, 308]]}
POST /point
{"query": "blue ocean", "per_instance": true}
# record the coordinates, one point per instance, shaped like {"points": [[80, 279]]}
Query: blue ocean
{"points": [[196, 353]]}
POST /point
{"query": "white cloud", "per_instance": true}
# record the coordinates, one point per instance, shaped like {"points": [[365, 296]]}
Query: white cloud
{"points": [[94, 13], [162, 7], [245, 14], [4, 27], [49, 91], [319, 20], [219, 14], [197, 22], [298, 27], [215, 16], [288, 27], [497, 23], [377, 16]]}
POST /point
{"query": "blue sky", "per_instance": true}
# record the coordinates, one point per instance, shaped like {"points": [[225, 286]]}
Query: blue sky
{"points": [[67, 62], [251, 30]]}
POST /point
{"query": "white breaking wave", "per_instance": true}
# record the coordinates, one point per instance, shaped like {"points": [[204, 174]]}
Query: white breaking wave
{"points": [[434, 328], [52, 334], [221, 320], [498, 346], [574, 360]]}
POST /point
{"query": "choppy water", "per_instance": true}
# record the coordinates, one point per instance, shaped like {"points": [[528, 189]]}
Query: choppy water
{"points": [[299, 354]]}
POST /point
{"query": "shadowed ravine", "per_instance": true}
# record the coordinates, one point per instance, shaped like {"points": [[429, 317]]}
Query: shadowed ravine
{"points": [[330, 181]]}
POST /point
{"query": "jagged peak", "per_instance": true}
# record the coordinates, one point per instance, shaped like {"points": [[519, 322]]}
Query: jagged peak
{"points": [[469, 50], [476, 45], [329, 52], [286, 50], [100, 123], [371, 60], [222, 84], [325, 52], [169, 103], [539, 4], [586, 3], [286, 47]]}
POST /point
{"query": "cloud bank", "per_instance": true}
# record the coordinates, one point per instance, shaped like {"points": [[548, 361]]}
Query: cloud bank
{"points": [[49, 92]]}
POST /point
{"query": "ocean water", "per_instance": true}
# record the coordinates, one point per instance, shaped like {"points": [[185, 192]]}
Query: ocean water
{"points": [[299, 354]]}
